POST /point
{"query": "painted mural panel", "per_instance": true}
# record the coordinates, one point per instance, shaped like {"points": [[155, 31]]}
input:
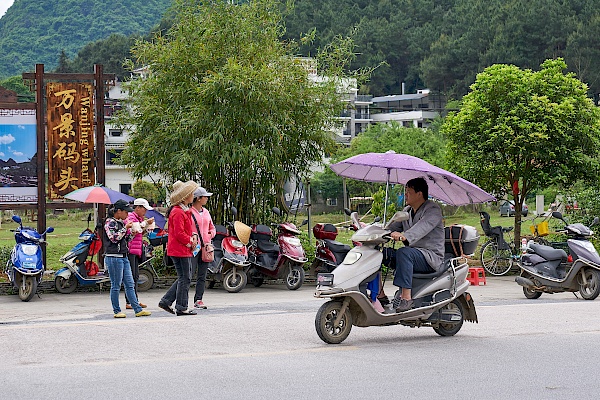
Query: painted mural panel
{"points": [[18, 152]]}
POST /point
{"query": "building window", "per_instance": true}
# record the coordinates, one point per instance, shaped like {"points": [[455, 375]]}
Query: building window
{"points": [[125, 188], [115, 132], [111, 154], [332, 202]]}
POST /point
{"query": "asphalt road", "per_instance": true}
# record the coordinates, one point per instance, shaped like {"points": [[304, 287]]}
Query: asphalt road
{"points": [[261, 343]]}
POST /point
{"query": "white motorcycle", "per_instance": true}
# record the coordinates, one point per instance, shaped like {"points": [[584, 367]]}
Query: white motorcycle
{"points": [[441, 300]]}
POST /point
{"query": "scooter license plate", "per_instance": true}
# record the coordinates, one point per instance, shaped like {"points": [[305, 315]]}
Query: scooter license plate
{"points": [[325, 279]]}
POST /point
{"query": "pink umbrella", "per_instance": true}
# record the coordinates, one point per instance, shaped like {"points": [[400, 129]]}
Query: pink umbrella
{"points": [[97, 194]]}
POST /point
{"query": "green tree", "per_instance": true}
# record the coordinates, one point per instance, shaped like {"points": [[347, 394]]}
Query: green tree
{"points": [[15, 83], [230, 105], [146, 190], [428, 144], [520, 130]]}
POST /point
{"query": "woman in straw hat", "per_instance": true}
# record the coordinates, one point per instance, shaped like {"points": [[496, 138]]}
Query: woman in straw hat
{"points": [[204, 227], [182, 240]]}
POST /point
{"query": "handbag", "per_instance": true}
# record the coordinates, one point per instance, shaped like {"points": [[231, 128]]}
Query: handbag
{"points": [[207, 249]]}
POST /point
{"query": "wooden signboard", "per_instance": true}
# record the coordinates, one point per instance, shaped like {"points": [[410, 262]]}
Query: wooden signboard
{"points": [[70, 129]]}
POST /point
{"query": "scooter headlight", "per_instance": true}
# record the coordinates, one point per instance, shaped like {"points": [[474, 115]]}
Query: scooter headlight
{"points": [[237, 244], [29, 249], [351, 258], [293, 241]]}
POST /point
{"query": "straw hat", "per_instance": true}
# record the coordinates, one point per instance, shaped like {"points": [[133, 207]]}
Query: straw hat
{"points": [[242, 231], [181, 191]]}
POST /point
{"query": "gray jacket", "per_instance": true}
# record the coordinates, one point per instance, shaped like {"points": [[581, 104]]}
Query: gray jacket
{"points": [[425, 232]]}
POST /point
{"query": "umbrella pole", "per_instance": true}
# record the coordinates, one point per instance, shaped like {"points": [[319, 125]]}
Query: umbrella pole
{"points": [[387, 186]]}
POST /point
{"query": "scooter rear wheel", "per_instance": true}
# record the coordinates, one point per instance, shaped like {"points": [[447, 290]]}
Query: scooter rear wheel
{"points": [[591, 290], [65, 286], [28, 289], [531, 294], [324, 322], [454, 308]]}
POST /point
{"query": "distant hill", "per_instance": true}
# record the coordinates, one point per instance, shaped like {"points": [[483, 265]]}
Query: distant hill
{"points": [[36, 31]]}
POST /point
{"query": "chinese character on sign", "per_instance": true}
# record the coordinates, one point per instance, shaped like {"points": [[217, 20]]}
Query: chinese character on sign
{"points": [[68, 98], [66, 128], [66, 179], [67, 152]]}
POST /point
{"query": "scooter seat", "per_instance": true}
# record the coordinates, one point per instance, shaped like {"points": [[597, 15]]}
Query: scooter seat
{"points": [[431, 275], [267, 246], [549, 253], [443, 268], [336, 247]]}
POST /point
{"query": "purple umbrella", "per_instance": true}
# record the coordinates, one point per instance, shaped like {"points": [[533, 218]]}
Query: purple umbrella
{"points": [[390, 167], [159, 219]]}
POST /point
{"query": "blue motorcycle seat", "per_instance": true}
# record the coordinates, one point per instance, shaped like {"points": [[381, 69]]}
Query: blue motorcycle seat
{"points": [[549, 253], [267, 246], [336, 247]]}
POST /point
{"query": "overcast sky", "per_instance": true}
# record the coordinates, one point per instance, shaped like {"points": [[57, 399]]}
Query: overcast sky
{"points": [[4, 4]]}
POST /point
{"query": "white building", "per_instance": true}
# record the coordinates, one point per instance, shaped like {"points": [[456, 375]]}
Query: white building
{"points": [[415, 110], [117, 176]]}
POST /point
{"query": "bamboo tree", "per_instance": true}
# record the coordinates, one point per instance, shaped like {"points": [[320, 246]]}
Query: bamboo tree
{"points": [[226, 103]]}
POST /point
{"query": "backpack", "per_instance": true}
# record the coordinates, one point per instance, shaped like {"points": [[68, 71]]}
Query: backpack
{"points": [[91, 268]]}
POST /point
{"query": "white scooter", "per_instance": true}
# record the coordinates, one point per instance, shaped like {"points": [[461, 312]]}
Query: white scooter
{"points": [[440, 298]]}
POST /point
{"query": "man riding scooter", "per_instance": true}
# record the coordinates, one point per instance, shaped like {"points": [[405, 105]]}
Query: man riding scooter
{"points": [[423, 238]]}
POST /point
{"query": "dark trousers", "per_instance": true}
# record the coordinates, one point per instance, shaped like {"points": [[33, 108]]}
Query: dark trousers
{"points": [[201, 268], [409, 260], [179, 291], [134, 261]]}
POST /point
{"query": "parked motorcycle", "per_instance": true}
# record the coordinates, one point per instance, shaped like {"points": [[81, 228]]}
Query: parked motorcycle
{"points": [[284, 259], [231, 256], [441, 300], [25, 268], [545, 269], [76, 263], [330, 253]]}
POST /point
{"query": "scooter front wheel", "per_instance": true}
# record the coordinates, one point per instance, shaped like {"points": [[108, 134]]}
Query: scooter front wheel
{"points": [[295, 277], [65, 286], [28, 288], [325, 322], [233, 283]]}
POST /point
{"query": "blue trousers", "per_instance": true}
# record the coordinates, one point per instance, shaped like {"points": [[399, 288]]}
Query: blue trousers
{"points": [[409, 260], [120, 272]]}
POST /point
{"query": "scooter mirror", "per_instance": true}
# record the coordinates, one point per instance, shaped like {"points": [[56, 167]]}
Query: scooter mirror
{"points": [[276, 210], [398, 217], [595, 222], [89, 218], [17, 219], [557, 215], [304, 222], [347, 211], [50, 229], [377, 219], [234, 211]]}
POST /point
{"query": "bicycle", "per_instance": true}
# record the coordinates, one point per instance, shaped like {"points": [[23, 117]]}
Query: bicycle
{"points": [[498, 255]]}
